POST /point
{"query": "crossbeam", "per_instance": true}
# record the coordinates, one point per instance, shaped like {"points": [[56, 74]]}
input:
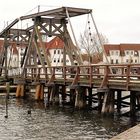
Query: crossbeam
{"points": [[59, 13]]}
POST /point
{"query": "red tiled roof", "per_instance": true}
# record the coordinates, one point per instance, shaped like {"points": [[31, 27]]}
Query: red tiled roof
{"points": [[55, 43]]}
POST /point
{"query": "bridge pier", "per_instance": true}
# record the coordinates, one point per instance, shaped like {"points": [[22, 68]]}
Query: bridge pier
{"points": [[39, 92], [89, 97], [138, 99], [20, 91], [72, 96], [56, 94], [132, 103], [63, 93], [53, 94], [119, 95], [100, 101], [80, 99], [108, 103]]}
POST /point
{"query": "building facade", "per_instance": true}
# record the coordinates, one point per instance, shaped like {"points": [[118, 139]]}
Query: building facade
{"points": [[55, 49], [122, 53]]}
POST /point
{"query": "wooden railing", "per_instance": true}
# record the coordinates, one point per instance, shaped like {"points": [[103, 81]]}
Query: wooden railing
{"points": [[93, 75], [125, 75]]}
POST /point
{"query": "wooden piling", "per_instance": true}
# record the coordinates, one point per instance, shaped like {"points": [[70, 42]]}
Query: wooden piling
{"points": [[132, 103], [80, 100], [42, 92], [53, 94], [39, 92], [112, 102], [138, 99], [63, 92], [89, 97], [119, 94], [100, 101], [108, 103], [49, 95], [72, 96], [56, 94], [20, 91]]}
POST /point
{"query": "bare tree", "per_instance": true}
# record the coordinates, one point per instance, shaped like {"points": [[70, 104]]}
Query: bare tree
{"points": [[91, 45]]}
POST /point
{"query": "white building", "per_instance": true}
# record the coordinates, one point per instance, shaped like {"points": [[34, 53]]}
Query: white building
{"points": [[55, 49], [123, 53]]}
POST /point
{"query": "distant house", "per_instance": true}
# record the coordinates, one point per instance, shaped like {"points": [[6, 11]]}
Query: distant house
{"points": [[12, 57], [55, 48], [122, 53]]}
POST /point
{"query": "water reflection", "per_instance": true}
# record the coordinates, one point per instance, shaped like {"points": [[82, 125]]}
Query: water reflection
{"points": [[56, 122]]}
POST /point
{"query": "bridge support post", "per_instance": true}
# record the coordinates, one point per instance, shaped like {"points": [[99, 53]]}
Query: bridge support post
{"points": [[56, 94], [132, 103], [53, 94], [72, 96], [100, 101], [138, 99], [119, 94], [50, 92], [63, 90], [20, 90], [39, 92], [80, 99], [108, 103], [90, 97]]}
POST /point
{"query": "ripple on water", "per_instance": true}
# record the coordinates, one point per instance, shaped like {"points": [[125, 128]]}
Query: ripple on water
{"points": [[55, 123]]}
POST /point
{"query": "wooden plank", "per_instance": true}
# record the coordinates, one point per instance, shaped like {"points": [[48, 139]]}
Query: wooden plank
{"points": [[59, 13], [130, 134]]}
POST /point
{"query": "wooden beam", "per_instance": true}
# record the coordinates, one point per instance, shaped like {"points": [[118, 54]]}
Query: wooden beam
{"points": [[8, 27], [59, 13]]}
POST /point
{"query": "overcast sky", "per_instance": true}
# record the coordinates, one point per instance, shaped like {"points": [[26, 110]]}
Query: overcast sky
{"points": [[118, 20]]}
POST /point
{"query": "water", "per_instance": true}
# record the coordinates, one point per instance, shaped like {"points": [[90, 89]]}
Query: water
{"points": [[56, 123]]}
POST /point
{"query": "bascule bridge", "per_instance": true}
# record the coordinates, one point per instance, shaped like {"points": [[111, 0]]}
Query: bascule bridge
{"points": [[77, 85]]}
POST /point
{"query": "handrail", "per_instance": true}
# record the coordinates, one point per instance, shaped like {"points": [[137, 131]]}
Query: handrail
{"points": [[94, 75]]}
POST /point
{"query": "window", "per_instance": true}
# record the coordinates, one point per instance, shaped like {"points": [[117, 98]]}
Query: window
{"points": [[54, 60], [58, 60], [58, 51], [67, 60], [117, 61], [111, 61], [131, 52], [117, 53], [54, 51], [127, 52], [136, 61], [112, 52], [127, 60]]}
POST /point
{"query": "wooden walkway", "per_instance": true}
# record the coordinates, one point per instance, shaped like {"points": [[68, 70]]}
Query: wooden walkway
{"points": [[130, 134]]}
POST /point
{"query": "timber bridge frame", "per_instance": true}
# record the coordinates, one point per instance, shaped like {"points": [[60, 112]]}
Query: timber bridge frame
{"points": [[101, 84]]}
